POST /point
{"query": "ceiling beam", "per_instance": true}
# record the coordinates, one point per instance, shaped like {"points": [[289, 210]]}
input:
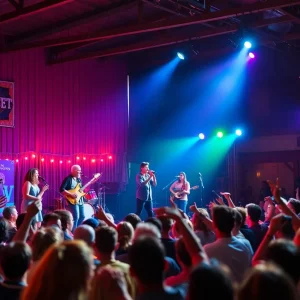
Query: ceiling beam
{"points": [[15, 4], [96, 14], [166, 40], [31, 10], [144, 28]]}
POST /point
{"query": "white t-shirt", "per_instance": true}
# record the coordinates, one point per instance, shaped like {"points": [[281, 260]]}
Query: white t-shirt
{"points": [[232, 252], [177, 187]]}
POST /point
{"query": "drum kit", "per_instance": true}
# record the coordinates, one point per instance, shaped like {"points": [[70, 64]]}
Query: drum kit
{"points": [[93, 201]]}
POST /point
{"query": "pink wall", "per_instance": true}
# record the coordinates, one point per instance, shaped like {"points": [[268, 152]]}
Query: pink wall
{"points": [[62, 111]]}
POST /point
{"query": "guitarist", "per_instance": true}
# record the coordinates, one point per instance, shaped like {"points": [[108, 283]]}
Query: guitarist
{"points": [[69, 183], [180, 190]]}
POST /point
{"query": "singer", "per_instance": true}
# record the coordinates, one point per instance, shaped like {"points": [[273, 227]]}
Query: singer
{"points": [[144, 182], [31, 192], [69, 183], [180, 190]]}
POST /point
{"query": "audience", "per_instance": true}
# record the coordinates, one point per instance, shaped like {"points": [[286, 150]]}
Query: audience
{"points": [[42, 240], [64, 272], [105, 245], [204, 233], [253, 221], [228, 249], [147, 263], [125, 236], [67, 223], [266, 281], [210, 282], [10, 214], [15, 260], [136, 260]]}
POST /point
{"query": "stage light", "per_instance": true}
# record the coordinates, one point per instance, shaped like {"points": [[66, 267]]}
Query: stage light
{"points": [[247, 45], [77, 157], [52, 160], [33, 155], [60, 161], [201, 136], [180, 55], [102, 160], [84, 158], [42, 159], [93, 160], [110, 157], [69, 161], [220, 134], [251, 55], [26, 158], [17, 160], [238, 132]]}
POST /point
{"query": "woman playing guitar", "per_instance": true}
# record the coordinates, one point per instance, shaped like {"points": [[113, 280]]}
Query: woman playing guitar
{"points": [[180, 189]]}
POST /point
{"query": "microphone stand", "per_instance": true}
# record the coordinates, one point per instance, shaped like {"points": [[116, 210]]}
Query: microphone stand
{"points": [[201, 190], [165, 188]]}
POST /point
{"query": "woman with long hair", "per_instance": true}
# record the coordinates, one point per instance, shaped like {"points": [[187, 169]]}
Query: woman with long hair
{"points": [[31, 191], [180, 190], [63, 273]]}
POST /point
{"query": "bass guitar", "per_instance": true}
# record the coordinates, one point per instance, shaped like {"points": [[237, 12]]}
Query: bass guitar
{"points": [[178, 195], [79, 191]]}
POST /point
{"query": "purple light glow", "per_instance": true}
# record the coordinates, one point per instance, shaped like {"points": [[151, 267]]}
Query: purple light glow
{"points": [[251, 55]]}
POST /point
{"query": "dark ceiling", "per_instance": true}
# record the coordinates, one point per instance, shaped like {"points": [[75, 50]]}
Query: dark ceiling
{"points": [[85, 29]]}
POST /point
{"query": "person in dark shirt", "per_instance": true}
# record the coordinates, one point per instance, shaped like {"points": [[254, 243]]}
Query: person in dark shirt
{"points": [[166, 239], [253, 216], [15, 260], [245, 230]]}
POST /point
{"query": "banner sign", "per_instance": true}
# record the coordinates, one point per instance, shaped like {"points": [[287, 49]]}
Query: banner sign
{"points": [[7, 172], [7, 99]]}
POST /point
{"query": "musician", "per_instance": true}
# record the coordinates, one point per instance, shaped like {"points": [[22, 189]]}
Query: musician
{"points": [[69, 183], [31, 192], [144, 182], [181, 188]]}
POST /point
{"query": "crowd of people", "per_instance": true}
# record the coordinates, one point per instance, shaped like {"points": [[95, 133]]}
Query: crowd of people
{"points": [[223, 252]]}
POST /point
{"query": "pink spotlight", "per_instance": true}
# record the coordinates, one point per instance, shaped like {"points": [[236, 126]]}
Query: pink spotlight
{"points": [[251, 55]]}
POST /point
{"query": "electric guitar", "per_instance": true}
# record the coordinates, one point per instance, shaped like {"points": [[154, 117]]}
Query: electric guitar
{"points": [[178, 195], [79, 191]]}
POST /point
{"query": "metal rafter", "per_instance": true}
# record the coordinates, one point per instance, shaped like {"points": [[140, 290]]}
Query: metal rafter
{"points": [[30, 10], [166, 40], [67, 24], [176, 23]]}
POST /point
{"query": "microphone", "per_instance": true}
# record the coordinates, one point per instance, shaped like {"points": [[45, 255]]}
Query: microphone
{"points": [[200, 174], [81, 174], [152, 171], [177, 176], [43, 179], [214, 192]]}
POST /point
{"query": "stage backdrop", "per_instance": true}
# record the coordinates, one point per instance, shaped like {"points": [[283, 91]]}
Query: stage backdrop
{"points": [[65, 114]]}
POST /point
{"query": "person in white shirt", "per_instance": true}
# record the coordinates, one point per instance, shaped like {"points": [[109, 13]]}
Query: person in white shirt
{"points": [[228, 249]]}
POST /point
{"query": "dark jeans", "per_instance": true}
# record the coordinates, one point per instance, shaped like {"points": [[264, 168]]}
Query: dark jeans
{"points": [[181, 204], [148, 206], [78, 214]]}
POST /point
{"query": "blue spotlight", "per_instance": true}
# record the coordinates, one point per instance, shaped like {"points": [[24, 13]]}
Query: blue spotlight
{"points": [[201, 136], [247, 45], [238, 132], [180, 55]]}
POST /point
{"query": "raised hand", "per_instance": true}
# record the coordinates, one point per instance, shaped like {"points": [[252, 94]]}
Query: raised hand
{"points": [[173, 204], [275, 189], [220, 201], [277, 222], [34, 208], [170, 212], [194, 208]]}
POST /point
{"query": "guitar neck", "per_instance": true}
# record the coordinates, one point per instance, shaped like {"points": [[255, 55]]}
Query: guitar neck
{"points": [[87, 184]]}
